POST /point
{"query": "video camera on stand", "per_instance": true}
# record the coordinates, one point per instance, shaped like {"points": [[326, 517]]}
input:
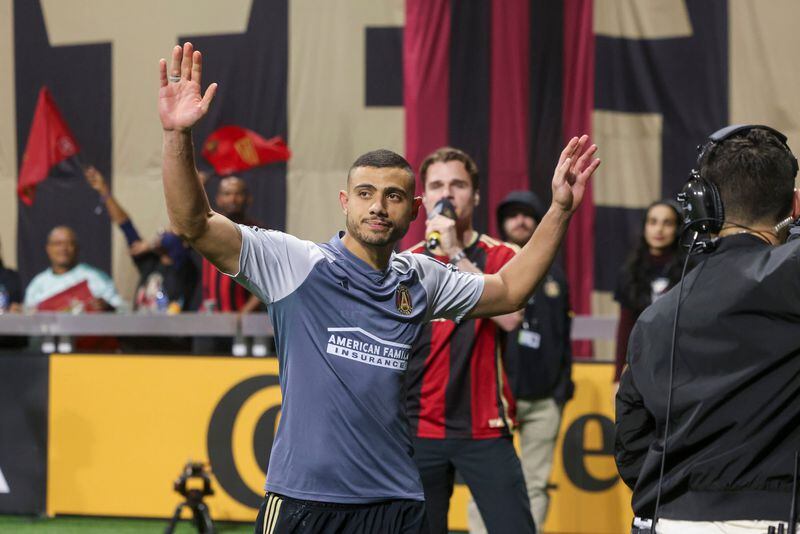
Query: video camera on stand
{"points": [[194, 498]]}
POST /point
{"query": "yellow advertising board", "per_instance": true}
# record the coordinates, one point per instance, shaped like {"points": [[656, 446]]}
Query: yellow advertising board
{"points": [[122, 427], [588, 497]]}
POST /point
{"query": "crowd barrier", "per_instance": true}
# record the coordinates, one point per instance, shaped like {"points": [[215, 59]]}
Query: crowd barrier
{"points": [[108, 434], [252, 326]]}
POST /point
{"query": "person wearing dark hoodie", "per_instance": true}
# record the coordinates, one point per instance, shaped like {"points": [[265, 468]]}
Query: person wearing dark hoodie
{"points": [[537, 358]]}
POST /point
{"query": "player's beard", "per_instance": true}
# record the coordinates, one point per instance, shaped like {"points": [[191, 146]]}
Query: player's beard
{"points": [[354, 228]]}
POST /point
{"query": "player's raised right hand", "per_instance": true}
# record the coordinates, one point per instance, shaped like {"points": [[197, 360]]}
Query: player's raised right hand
{"points": [[180, 102], [575, 166]]}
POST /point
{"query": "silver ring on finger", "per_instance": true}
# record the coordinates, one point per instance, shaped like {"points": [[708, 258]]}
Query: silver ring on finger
{"points": [[173, 79]]}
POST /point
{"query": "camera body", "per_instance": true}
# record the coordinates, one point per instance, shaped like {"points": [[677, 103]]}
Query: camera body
{"points": [[194, 470]]}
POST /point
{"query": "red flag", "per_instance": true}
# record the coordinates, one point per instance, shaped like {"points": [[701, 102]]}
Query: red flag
{"points": [[233, 148], [50, 142]]}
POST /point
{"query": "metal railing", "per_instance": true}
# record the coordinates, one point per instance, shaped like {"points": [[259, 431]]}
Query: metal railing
{"points": [[252, 328]]}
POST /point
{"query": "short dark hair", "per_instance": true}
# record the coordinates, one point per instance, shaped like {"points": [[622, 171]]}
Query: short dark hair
{"points": [[448, 153], [754, 174], [382, 159]]}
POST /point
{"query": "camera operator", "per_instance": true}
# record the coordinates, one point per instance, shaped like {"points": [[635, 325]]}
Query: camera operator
{"points": [[734, 415]]}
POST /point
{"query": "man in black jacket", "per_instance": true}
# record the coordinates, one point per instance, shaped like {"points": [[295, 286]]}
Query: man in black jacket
{"points": [[538, 359], [734, 422]]}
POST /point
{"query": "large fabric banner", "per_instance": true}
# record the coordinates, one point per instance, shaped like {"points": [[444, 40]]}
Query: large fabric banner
{"points": [[661, 87], [506, 81]]}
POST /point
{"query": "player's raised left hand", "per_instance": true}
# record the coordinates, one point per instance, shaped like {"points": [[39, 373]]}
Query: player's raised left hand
{"points": [[575, 167], [180, 102]]}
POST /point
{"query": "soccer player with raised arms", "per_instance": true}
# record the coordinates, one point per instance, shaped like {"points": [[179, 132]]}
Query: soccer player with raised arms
{"points": [[345, 315]]}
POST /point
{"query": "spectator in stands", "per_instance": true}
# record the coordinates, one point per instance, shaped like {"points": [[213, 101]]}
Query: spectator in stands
{"points": [[10, 290], [220, 292], [168, 277], [653, 267], [10, 302], [65, 272]]}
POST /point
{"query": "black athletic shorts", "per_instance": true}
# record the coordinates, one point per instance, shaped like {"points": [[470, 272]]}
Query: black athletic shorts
{"points": [[284, 515]]}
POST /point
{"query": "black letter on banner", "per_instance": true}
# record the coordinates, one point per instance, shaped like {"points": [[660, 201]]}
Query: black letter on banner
{"points": [[220, 438], [574, 453]]}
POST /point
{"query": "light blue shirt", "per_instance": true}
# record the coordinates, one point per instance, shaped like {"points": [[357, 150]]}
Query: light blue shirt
{"points": [[46, 284], [343, 333]]}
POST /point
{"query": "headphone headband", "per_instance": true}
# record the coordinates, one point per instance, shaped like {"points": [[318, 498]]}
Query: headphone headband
{"points": [[702, 206]]}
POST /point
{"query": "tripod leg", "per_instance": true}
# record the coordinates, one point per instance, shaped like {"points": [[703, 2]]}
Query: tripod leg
{"points": [[205, 517], [175, 518], [202, 519]]}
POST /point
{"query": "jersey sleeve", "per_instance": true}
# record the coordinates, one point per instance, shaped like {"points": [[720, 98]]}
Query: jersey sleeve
{"points": [[499, 256], [102, 286], [451, 293], [273, 264], [33, 293]]}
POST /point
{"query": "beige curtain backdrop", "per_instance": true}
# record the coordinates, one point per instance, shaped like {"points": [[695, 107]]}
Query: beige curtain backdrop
{"points": [[328, 123], [763, 45], [630, 177], [642, 19], [630, 143], [764, 74], [8, 137], [329, 126], [140, 33]]}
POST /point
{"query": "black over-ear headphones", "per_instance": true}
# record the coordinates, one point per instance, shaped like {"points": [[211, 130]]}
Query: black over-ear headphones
{"points": [[700, 200]]}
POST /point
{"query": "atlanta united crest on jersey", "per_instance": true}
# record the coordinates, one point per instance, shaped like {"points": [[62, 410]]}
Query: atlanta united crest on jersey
{"points": [[343, 333]]}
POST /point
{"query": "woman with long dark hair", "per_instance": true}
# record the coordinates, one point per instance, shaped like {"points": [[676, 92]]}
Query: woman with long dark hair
{"points": [[652, 268]]}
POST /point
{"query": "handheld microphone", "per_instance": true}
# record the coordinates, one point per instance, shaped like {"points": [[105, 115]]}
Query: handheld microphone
{"points": [[443, 207]]}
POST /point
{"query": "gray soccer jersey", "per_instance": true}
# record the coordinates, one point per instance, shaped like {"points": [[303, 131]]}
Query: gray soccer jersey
{"points": [[343, 333]]}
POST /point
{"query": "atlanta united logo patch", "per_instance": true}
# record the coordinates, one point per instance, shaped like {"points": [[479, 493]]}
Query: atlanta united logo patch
{"points": [[402, 300], [551, 288]]}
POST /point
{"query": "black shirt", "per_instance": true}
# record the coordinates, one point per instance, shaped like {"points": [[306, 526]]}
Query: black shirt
{"points": [[538, 355], [735, 416], [178, 282], [656, 276], [10, 283]]}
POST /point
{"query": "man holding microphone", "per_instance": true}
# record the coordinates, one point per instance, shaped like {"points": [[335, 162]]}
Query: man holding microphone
{"points": [[460, 404]]}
